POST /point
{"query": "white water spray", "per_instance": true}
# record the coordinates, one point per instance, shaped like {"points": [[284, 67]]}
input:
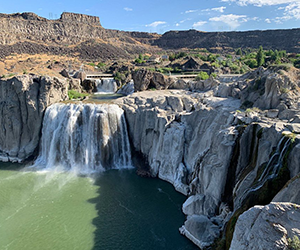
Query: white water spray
{"points": [[84, 138], [106, 86]]}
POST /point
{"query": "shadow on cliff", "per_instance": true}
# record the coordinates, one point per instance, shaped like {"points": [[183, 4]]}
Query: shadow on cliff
{"points": [[137, 213]]}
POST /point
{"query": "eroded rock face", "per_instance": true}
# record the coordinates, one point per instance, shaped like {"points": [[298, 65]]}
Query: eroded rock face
{"points": [[23, 100], [290, 193], [143, 79], [187, 139], [219, 157], [267, 227], [80, 18]]}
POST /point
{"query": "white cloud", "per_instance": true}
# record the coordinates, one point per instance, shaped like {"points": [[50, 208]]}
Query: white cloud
{"points": [[291, 8], [128, 9], [267, 20], [155, 24], [198, 24], [190, 11], [177, 24], [187, 19], [219, 9], [233, 21], [261, 3], [292, 11]]}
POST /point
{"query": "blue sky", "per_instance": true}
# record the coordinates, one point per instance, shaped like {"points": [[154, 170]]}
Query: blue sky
{"points": [[163, 15]]}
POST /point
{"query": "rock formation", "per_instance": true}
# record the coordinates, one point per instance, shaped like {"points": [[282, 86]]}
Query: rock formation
{"points": [[226, 145], [144, 79], [83, 36], [72, 34], [269, 39], [23, 100], [267, 227], [223, 159]]}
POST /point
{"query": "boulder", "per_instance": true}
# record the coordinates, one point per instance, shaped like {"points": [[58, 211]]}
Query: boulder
{"points": [[267, 227], [200, 230], [179, 84], [127, 89], [89, 86], [145, 79], [65, 73]]}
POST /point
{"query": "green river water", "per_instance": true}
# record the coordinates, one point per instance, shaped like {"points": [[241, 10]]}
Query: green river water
{"points": [[115, 210]]}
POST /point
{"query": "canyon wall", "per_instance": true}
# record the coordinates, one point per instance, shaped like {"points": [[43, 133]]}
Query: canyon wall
{"points": [[83, 36], [270, 39], [224, 160], [23, 100], [72, 34]]}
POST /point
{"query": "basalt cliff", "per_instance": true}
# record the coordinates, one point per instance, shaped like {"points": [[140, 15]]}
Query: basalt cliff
{"points": [[83, 36], [72, 34], [224, 157], [227, 145]]}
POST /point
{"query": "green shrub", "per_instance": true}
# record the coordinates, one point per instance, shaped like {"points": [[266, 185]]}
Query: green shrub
{"points": [[92, 64], [260, 57], [239, 52], [202, 76], [101, 65], [119, 76], [139, 61], [213, 75], [294, 244], [254, 109], [164, 70], [73, 94], [215, 64], [297, 63], [252, 63]]}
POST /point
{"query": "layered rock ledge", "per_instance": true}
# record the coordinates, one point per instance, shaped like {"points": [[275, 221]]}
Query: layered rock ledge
{"points": [[225, 160], [23, 100]]}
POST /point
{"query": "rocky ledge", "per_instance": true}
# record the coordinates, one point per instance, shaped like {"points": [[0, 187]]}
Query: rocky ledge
{"points": [[267, 227], [23, 100], [226, 146]]}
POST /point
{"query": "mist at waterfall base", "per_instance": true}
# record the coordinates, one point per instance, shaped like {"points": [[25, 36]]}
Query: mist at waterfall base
{"points": [[60, 203], [106, 86]]}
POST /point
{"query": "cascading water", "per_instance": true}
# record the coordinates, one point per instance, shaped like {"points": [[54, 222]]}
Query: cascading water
{"points": [[106, 86], [272, 168], [84, 138]]}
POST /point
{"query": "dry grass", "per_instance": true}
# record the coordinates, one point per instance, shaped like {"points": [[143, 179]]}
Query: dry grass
{"points": [[38, 64]]}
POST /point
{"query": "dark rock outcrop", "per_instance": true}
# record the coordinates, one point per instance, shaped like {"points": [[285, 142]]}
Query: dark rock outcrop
{"points": [[23, 100], [270, 39], [145, 79], [80, 18], [31, 34]]}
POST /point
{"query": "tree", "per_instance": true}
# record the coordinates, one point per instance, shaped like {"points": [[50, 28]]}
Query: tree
{"points": [[202, 76], [239, 52], [276, 57], [260, 57]]}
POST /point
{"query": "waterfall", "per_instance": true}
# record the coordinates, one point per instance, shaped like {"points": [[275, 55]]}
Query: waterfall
{"points": [[84, 138], [272, 168], [106, 86]]}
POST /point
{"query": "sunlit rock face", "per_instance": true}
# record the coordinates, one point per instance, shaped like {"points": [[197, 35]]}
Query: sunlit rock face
{"points": [[23, 100], [221, 158], [267, 227]]}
